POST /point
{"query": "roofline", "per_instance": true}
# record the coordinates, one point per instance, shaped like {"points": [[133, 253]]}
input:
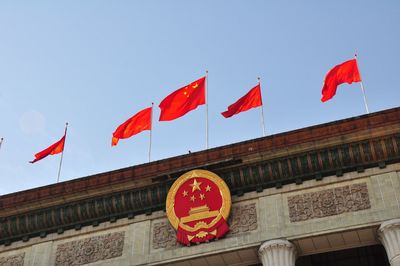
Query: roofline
{"points": [[174, 164]]}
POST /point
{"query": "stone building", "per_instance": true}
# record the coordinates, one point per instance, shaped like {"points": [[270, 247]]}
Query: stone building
{"points": [[323, 195]]}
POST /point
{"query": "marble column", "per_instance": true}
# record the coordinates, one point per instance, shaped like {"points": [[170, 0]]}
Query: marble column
{"points": [[389, 235], [277, 252]]}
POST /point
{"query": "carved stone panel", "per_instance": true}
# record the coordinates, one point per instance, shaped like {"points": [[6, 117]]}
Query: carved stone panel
{"points": [[243, 219], [15, 260], [90, 250], [164, 235], [328, 202]]}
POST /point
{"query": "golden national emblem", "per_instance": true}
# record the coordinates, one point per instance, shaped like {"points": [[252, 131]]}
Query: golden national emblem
{"points": [[198, 206]]}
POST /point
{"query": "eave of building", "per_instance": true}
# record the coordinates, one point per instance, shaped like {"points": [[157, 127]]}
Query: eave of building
{"points": [[290, 157]]}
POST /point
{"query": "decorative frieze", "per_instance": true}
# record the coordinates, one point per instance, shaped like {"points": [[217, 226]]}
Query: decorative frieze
{"points": [[255, 176], [243, 219], [90, 250], [164, 235], [15, 260], [328, 202]]}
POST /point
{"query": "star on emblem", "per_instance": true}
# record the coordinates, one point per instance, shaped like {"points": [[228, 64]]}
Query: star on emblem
{"points": [[208, 188], [193, 198], [202, 196], [196, 185], [185, 193]]}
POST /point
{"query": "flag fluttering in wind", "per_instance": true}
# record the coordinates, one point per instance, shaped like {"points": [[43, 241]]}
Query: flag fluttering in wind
{"points": [[252, 99], [56, 148], [342, 73], [183, 100], [134, 125]]}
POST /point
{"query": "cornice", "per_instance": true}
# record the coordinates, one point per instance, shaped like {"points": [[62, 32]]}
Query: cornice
{"points": [[240, 178], [293, 157], [274, 146]]}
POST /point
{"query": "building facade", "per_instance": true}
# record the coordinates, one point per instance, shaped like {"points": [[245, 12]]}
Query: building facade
{"points": [[322, 195]]}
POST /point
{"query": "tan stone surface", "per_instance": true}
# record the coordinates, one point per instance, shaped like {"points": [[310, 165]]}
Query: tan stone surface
{"points": [[163, 235], [273, 222], [13, 260], [328, 202], [91, 249]]}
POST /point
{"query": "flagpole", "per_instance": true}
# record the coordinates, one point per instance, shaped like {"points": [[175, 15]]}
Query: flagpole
{"points": [[1, 142], [262, 110], [362, 88], [151, 130], [62, 153], [206, 109]]}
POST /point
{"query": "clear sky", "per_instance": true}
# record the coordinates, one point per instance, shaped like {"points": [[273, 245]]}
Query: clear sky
{"points": [[96, 63]]}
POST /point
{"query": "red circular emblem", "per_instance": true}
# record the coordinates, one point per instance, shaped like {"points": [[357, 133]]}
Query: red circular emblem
{"points": [[198, 206]]}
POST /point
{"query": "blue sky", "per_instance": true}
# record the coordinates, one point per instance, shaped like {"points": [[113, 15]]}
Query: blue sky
{"points": [[96, 63]]}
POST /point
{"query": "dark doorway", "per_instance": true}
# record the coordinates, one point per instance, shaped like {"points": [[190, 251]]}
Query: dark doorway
{"points": [[364, 256]]}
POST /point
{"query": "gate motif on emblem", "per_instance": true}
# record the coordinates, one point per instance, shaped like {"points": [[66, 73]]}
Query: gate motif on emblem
{"points": [[198, 206]]}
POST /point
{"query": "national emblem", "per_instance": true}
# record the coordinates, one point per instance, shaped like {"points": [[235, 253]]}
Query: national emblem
{"points": [[198, 206]]}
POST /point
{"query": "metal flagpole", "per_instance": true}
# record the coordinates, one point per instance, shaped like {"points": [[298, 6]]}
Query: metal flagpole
{"points": [[206, 109], [362, 87], [262, 110], [1, 142], [62, 153], [151, 129]]}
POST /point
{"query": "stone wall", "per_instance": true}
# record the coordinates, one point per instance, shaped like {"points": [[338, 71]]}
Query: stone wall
{"points": [[334, 204]]}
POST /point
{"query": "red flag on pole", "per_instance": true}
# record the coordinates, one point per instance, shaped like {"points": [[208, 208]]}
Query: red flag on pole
{"points": [[251, 100], [134, 125], [56, 148], [183, 100], [345, 72]]}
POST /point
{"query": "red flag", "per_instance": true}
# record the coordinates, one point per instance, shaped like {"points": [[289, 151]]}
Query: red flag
{"points": [[345, 72], [56, 148], [183, 100], [134, 125], [251, 100]]}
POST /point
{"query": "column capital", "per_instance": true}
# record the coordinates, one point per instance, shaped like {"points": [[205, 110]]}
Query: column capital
{"points": [[389, 235], [277, 252]]}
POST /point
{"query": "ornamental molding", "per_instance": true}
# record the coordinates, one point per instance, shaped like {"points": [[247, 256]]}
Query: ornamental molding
{"points": [[92, 249], [328, 202], [278, 252], [243, 219], [255, 176], [14, 260], [389, 225], [164, 235]]}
